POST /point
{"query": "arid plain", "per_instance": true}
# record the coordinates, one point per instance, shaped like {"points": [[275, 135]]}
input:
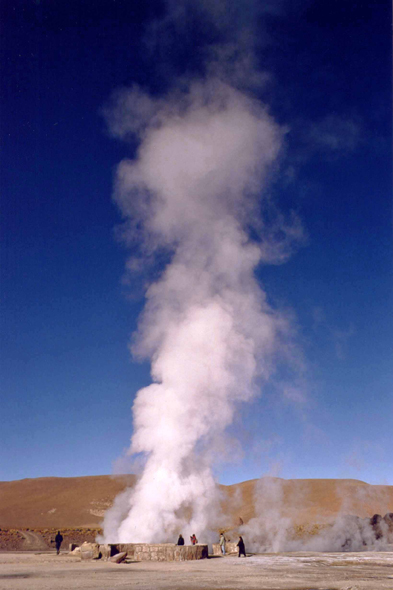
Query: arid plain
{"points": [[295, 571]]}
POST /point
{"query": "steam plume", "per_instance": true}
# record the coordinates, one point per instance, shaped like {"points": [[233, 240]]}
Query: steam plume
{"points": [[279, 523], [204, 157], [195, 192]]}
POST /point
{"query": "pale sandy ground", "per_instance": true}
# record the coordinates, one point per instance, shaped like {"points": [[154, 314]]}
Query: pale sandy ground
{"points": [[280, 571]]}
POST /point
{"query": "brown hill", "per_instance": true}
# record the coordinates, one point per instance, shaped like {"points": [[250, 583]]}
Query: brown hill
{"points": [[308, 500], [58, 501], [53, 502]]}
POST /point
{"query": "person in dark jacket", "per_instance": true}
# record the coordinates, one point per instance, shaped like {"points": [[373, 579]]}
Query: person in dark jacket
{"points": [[242, 549], [58, 541], [180, 540]]}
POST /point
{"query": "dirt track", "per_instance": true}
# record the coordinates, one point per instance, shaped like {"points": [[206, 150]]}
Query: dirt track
{"points": [[283, 571]]}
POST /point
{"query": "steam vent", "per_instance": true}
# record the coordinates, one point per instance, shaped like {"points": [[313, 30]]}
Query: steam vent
{"points": [[145, 551]]}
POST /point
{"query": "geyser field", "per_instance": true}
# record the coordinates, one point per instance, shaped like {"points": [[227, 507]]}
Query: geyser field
{"points": [[231, 146], [77, 504], [271, 513]]}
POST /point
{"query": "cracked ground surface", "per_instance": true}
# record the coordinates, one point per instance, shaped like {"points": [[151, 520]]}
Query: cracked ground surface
{"points": [[278, 571]]}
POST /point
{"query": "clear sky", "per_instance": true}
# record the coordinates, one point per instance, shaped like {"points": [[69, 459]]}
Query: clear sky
{"points": [[67, 313]]}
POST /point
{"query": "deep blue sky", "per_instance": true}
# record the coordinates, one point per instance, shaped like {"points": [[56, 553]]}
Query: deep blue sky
{"points": [[67, 379]]}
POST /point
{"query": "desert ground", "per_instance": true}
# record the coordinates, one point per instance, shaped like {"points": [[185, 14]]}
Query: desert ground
{"points": [[281, 571]]}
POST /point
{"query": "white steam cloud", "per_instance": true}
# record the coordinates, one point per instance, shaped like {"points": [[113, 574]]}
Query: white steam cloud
{"points": [[285, 517], [194, 189]]}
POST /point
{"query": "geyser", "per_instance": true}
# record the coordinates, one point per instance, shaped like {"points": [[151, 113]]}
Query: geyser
{"points": [[194, 191]]}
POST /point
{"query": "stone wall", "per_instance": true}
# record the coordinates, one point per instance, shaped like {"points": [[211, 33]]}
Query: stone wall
{"points": [[156, 552], [230, 548], [90, 551]]}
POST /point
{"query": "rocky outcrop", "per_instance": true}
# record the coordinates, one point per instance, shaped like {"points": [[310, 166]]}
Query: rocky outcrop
{"points": [[382, 526]]}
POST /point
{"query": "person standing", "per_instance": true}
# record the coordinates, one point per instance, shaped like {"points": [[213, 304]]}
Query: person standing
{"points": [[222, 543], [193, 539], [242, 549], [180, 540], [58, 541]]}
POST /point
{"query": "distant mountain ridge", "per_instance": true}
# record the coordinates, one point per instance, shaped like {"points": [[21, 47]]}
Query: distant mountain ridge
{"points": [[82, 501]]}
